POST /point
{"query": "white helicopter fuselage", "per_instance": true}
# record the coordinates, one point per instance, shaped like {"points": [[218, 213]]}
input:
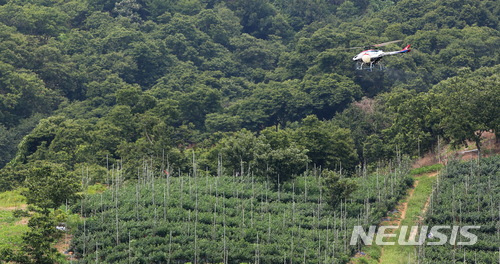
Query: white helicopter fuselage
{"points": [[372, 56]]}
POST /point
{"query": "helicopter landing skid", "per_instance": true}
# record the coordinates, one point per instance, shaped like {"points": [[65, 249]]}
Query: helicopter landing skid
{"points": [[369, 66]]}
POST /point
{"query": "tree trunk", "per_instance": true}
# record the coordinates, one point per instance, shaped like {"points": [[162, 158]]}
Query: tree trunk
{"points": [[478, 142]]}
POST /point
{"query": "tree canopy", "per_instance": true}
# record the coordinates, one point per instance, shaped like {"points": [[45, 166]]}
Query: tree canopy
{"points": [[114, 81]]}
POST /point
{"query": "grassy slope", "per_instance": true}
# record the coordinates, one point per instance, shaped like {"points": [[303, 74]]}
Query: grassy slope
{"points": [[11, 228], [12, 199], [415, 205]]}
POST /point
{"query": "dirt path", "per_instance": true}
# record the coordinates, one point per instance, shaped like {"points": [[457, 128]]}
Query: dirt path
{"points": [[432, 174], [411, 212], [405, 204], [63, 244], [424, 210], [402, 208]]}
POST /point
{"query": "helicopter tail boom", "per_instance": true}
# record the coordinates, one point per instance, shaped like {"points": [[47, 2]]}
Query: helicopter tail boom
{"points": [[406, 49]]}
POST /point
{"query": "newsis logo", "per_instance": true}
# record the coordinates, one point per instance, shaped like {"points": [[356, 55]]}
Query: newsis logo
{"points": [[433, 237]]}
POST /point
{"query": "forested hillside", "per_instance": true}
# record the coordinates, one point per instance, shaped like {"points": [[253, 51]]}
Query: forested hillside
{"points": [[102, 81], [264, 88]]}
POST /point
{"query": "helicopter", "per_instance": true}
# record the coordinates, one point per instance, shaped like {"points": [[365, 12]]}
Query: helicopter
{"points": [[371, 57]]}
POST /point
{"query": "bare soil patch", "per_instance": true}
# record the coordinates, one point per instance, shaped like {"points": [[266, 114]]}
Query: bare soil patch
{"points": [[12, 208], [63, 244], [23, 221]]}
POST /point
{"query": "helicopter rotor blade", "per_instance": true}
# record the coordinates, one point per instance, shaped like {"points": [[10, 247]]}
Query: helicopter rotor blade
{"points": [[375, 46], [355, 48], [387, 43]]}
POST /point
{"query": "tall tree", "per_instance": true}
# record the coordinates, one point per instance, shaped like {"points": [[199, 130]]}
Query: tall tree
{"points": [[337, 188], [468, 105], [328, 146], [50, 185], [330, 93]]}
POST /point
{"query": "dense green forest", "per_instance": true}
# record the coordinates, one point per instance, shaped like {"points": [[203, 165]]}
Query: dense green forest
{"points": [[91, 83], [264, 88]]}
